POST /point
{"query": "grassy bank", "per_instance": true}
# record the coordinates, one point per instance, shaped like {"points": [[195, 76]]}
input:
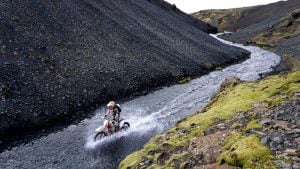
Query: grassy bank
{"points": [[174, 149]]}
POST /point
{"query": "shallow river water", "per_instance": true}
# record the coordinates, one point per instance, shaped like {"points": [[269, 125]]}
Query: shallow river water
{"points": [[154, 113]]}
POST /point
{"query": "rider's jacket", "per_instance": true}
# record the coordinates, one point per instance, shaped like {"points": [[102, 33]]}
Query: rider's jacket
{"points": [[112, 115]]}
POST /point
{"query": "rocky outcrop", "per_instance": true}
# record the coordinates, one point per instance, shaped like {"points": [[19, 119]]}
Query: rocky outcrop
{"points": [[59, 59], [223, 19], [240, 18], [247, 125]]}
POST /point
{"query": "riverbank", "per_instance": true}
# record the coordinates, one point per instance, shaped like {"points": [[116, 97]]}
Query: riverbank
{"points": [[245, 125]]}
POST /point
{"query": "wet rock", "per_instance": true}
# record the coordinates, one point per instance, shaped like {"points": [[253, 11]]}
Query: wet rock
{"points": [[283, 164], [261, 105], [265, 122], [296, 165], [258, 133], [265, 140], [296, 131], [199, 156], [278, 139], [240, 116], [279, 115], [292, 152], [275, 127], [207, 148], [189, 164], [232, 81], [148, 162], [221, 126]]}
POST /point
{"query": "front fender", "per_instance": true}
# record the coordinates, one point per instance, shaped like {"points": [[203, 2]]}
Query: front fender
{"points": [[122, 123], [101, 128]]}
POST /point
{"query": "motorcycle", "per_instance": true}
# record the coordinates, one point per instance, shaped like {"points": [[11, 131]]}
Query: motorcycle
{"points": [[111, 129]]}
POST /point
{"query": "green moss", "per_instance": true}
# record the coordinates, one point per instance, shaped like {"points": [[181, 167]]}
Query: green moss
{"points": [[291, 62], [253, 125], [235, 125], [230, 101], [131, 160], [156, 157], [176, 141], [157, 138], [266, 162], [219, 68], [175, 158], [206, 19], [239, 150], [262, 42], [150, 148], [185, 80], [283, 35]]}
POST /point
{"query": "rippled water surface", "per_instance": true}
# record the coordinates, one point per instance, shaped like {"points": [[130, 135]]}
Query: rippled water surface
{"points": [[151, 114]]}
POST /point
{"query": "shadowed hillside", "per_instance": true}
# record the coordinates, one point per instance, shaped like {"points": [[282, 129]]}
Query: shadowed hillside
{"points": [[59, 59]]}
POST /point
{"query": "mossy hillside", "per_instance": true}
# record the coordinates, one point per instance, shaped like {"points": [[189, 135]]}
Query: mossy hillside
{"points": [[239, 150], [229, 102], [291, 62]]}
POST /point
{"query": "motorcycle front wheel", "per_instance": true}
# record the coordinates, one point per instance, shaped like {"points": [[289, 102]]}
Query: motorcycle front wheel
{"points": [[125, 126], [99, 136]]}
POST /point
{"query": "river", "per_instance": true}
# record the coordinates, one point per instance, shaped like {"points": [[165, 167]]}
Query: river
{"points": [[154, 113]]}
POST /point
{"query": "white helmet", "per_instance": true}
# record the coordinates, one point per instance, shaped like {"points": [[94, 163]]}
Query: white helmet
{"points": [[111, 104]]}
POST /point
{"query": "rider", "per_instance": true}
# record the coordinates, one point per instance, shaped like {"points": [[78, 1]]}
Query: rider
{"points": [[112, 114]]}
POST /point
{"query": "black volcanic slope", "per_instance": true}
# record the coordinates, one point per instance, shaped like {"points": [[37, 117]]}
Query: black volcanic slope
{"points": [[60, 57]]}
